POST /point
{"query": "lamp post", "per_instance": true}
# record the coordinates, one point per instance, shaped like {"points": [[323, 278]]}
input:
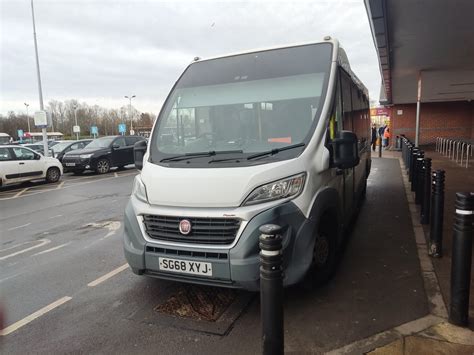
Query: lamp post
{"points": [[43, 129], [75, 120], [28, 117], [130, 110]]}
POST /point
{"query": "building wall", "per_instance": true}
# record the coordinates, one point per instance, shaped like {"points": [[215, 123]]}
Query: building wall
{"points": [[437, 119]]}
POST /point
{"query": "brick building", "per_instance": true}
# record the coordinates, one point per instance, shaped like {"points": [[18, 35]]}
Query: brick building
{"points": [[426, 56]]}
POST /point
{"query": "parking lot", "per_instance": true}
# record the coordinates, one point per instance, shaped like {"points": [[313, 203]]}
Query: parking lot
{"points": [[63, 272]]}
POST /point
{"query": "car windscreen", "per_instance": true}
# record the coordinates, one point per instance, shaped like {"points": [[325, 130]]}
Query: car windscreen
{"points": [[60, 146], [100, 142], [249, 103]]}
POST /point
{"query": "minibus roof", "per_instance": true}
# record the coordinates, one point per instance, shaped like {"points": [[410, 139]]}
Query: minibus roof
{"points": [[339, 55]]}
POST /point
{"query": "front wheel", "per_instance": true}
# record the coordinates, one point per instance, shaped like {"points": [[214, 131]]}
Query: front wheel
{"points": [[323, 264], [53, 175], [103, 166]]}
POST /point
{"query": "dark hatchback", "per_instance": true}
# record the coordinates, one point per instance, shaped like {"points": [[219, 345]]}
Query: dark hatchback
{"points": [[102, 154], [62, 148]]}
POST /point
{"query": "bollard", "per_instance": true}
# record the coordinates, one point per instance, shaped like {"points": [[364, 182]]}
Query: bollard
{"points": [[426, 199], [437, 214], [419, 178], [413, 156], [271, 289], [461, 258], [380, 147], [414, 178]]}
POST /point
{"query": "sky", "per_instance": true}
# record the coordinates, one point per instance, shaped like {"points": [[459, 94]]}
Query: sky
{"points": [[99, 51]]}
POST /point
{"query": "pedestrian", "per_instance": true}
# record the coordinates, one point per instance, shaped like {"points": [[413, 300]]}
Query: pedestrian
{"points": [[374, 137], [381, 132], [387, 136]]}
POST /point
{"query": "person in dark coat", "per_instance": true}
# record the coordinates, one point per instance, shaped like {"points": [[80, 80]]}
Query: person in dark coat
{"points": [[374, 137]]}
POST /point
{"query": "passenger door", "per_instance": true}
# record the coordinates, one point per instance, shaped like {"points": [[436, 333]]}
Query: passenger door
{"points": [[346, 84], [120, 152], [9, 167], [30, 164]]}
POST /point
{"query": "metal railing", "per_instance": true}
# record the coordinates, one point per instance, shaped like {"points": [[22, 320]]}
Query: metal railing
{"points": [[456, 149]]}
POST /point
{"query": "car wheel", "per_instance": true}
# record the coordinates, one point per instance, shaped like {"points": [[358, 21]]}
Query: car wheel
{"points": [[53, 175], [103, 166], [324, 260]]}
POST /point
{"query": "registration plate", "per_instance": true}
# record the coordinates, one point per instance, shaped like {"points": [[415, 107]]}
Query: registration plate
{"points": [[70, 164], [185, 266]]}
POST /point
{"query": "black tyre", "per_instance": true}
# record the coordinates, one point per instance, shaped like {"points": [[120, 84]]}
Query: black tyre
{"points": [[103, 166], [53, 175], [324, 260]]}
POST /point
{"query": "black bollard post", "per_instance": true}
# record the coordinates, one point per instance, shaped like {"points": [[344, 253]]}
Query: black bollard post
{"points": [[461, 258], [380, 147], [437, 214], [414, 178], [419, 177], [426, 200], [414, 153], [271, 289]]}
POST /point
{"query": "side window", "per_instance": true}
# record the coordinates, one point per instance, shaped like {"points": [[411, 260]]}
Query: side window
{"points": [[5, 154], [120, 142], [23, 154], [132, 140], [346, 101]]}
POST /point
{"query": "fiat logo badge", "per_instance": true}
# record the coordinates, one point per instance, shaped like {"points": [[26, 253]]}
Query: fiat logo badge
{"points": [[185, 227]]}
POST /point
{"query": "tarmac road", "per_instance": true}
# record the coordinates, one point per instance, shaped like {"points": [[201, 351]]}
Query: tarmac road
{"points": [[66, 288]]}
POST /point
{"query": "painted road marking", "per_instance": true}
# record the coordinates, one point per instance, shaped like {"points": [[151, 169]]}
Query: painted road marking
{"points": [[16, 245], [60, 185], [51, 249], [43, 242], [115, 174], [33, 192], [20, 192], [107, 276], [15, 326], [24, 225], [57, 216]]}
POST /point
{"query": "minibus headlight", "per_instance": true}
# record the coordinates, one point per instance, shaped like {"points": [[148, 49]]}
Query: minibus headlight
{"points": [[139, 190], [288, 187]]}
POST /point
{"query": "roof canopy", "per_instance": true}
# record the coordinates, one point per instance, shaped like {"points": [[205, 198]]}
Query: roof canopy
{"points": [[431, 38]]}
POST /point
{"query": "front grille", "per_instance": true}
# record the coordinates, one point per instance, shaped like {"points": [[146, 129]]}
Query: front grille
{"points": [[219, 231], [194, 254]]}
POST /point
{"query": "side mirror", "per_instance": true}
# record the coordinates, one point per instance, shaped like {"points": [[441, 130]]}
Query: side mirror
{"points": [[139, 150], [115, 146], [346, 152], [37, 156]]}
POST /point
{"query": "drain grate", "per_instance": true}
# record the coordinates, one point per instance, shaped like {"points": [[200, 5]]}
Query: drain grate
{"points": [[198, 302]]}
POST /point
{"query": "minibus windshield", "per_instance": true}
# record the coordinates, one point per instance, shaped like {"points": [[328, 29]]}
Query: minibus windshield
{"points": [[249, 103]]}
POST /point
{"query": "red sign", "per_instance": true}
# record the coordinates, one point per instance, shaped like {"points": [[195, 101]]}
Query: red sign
{"points": [[380, 111]]}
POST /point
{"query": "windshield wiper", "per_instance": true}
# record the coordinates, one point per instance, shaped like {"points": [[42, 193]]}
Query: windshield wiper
{"points": [[187, 156], [274, 151]]}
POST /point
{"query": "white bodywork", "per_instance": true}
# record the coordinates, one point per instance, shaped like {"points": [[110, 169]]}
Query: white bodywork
{"points": [[205, 193], [25, 166]]}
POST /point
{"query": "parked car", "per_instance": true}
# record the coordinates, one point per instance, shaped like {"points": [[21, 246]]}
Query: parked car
{"points": [[20, 164], [37, 147], [64, 147], [102, 154]]}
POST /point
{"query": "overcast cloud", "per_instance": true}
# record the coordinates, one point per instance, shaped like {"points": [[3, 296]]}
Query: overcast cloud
{"points": [[99, 51]]}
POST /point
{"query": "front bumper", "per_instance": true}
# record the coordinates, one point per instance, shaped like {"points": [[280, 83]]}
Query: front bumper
{"points": [[236, 267], [76, 163]]}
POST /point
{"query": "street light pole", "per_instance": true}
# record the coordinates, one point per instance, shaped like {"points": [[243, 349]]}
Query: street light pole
{"points": [[130, 110], [28, 117], [43, 130]]}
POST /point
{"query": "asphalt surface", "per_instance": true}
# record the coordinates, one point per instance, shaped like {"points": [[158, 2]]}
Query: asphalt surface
{"points": [[62, 248]]}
